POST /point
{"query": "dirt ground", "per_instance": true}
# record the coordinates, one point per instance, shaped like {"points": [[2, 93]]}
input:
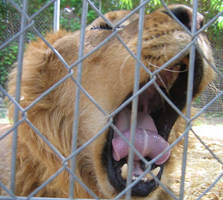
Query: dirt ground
{"points": [[202, 168]]}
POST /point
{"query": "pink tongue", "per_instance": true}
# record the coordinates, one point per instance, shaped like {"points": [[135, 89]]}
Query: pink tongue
{"points": [[147, 140]]}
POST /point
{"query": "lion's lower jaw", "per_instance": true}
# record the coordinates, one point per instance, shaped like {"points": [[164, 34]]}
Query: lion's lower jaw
{"points": [[105, 189]]}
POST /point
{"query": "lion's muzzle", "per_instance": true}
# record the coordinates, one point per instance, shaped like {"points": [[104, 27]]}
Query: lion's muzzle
{"points": [[156, 117]]}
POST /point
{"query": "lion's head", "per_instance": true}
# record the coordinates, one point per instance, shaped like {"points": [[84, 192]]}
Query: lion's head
{"points": [[108, 78], [163, 38]]}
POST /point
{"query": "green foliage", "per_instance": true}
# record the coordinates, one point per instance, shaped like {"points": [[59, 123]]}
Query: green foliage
{"points": [[66, 24], [7, 58], [197, 100], [91, 16], [220, 22], [130, 4], [127, 4], [217, 6], [9, 53], [215, 31]]}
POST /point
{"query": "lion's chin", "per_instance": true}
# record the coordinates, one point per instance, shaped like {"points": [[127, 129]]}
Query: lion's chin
{"points": [[164, 117]]}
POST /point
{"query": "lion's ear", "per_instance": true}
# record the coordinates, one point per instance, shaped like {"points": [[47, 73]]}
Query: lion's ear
{"points": [[185, 15]]}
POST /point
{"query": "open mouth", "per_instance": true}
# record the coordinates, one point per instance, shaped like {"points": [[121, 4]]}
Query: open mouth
{"points": [[155, 121]]}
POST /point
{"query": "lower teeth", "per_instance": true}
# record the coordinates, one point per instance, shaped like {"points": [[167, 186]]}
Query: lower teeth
{"points": [[124, 173], [155, 173]]}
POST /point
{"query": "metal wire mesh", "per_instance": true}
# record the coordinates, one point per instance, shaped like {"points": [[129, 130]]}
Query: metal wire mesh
{"points": [[28, 23]]}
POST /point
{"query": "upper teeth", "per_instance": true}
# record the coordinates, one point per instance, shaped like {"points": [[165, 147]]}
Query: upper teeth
{"points": [[124, 173]]}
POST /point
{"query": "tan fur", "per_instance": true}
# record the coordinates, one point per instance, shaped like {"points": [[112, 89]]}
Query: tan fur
{"points": [[108, 76]]}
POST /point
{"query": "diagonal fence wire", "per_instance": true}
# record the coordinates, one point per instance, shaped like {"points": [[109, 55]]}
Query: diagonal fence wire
{"points": [[206, 147], [63, 61], [50, 179], [54, 149], [36, 101], [45, 93], [211, 186], [7, 190]]}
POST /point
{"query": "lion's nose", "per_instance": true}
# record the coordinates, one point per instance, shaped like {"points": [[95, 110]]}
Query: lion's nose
{"points": [[185, 15]]}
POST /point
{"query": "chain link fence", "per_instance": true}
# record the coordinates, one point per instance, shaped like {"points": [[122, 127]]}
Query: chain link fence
{"points": [[36, 26], [213, 89]]}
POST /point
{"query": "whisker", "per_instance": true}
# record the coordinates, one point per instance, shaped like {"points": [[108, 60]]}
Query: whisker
{"points": [[162, 81], [166, 69]]}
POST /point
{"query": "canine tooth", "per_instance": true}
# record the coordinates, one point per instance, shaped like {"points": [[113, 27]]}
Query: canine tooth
{"points": [[124, 171], [149, 177], [155, 173]]}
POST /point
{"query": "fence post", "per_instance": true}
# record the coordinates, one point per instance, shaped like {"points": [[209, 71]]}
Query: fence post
{"points": [[78, 92], [56, 17], [17, 94], [100, 5]]}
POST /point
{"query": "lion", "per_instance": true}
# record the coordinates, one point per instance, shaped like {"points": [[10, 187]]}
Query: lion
{"points": [[108, 79]]}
